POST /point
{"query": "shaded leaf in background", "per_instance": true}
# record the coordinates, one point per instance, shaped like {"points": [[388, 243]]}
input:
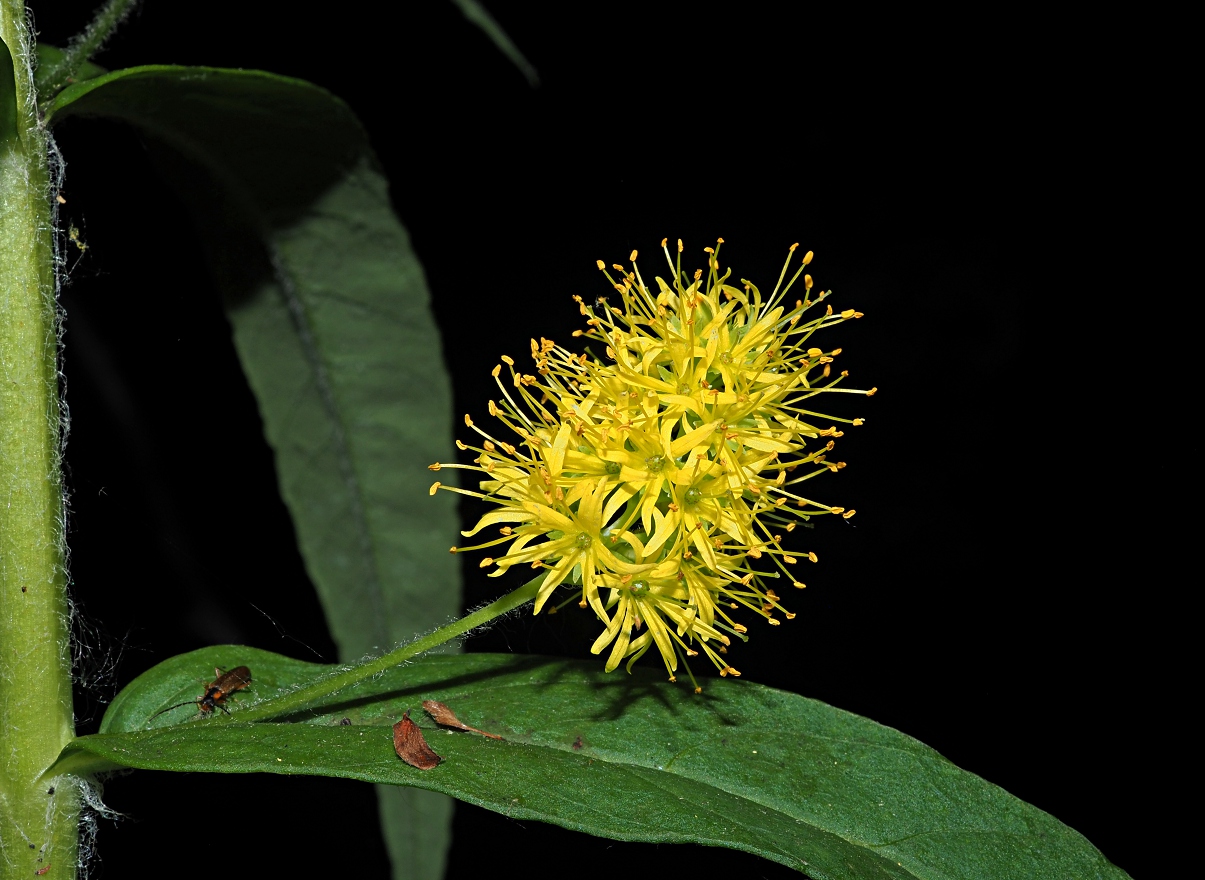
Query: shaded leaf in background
{"points": [[333, 326], [480, 16], [629, 757]]}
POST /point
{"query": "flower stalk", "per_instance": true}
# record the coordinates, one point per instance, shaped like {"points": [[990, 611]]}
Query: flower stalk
{"points": [[303, 698]]}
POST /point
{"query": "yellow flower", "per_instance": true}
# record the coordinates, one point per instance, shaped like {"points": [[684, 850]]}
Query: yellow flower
{"points": [[655, 477]]}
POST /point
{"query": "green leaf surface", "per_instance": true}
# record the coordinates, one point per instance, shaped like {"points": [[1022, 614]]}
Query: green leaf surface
{"points": [[332, 322], [630, 757]]}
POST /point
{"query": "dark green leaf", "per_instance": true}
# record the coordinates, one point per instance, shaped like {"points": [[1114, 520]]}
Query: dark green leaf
{"points": [[9, 131], [332, 322], [624, 756]]}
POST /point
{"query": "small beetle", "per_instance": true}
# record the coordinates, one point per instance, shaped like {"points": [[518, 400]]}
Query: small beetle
{"points": [[225, 684]]}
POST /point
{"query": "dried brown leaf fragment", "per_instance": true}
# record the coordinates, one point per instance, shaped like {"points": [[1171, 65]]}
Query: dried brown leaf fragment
{"points": [[410, 745], [447, 718]]}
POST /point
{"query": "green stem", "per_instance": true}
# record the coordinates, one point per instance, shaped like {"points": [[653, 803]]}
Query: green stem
{"points": [[84, 45], [304, 698], [39, 824]]}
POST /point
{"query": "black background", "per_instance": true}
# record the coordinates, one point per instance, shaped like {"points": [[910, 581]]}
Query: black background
{"points": [[990, 597]]}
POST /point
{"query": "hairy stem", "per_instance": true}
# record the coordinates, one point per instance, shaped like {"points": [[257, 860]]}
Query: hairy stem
{"points": [[38, 824], [85, 44], [303, 697]]}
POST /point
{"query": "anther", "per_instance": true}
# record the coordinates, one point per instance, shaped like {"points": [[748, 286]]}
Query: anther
{"points": [[679, 245], [434, 487], [791, 249], [813, 557], [632, 259], [601, 264], [486, 563], [807, 283]]}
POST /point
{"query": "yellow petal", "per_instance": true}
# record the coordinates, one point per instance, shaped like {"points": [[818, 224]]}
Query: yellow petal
{"points": [[502, 514], [611, 631], [689, 441], [555, 455]]}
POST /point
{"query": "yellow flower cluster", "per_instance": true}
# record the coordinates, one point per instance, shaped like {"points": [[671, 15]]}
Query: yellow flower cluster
{"points": [[658, 480]]}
